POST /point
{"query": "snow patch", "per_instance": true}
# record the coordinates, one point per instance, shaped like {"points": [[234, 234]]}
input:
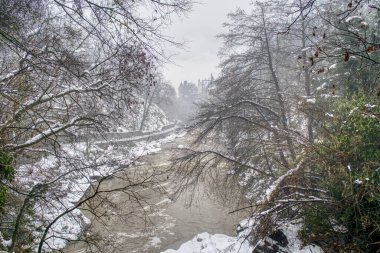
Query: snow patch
{"points": [[322, 87], [155, 242], [369, 106], [333, 66], [218, 243], [358, 18], [296, 245]]}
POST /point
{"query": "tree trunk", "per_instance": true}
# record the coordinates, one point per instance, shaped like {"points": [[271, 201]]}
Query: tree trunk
{"points": [[306, 71], [147, 104], [284, 120], [20, 216]]}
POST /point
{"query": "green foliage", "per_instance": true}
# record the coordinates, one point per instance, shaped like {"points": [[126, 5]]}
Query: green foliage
{"points": [[6, 168], [315, 221], [349, 159], [7, 172]]}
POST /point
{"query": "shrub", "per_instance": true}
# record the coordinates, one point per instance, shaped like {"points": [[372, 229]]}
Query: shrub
{"points": [[6, 175], [349, 160]]}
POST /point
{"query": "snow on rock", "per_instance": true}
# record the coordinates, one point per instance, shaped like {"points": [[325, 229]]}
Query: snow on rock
{"points": [[364, 25], [294, 244], [4, 243], [283, 240]]}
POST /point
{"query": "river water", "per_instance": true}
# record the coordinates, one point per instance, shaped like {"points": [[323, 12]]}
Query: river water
{"points": [[158, 222]]}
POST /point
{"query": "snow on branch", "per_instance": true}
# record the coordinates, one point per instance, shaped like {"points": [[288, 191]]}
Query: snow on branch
{"points": [[44, 98], [203, 154], [256, 105], [49, 132], [277, 184]]}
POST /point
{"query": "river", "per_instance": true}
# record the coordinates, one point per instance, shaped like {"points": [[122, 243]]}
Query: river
{"points": [[160, 223]]}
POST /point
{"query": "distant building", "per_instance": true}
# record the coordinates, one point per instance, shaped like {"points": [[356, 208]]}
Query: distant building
{"points": [[188, 90], [206, 87]]}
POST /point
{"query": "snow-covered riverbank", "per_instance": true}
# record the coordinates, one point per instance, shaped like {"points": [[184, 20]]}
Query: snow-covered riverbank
{"points": [[287, 242], [68, 181]]}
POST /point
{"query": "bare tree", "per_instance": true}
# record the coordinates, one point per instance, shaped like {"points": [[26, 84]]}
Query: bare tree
{"points": [[280, 68], [67, 69], [250, 111]]}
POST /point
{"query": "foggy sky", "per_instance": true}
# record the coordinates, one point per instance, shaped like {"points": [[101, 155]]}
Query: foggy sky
{"points": [[199, 29]]}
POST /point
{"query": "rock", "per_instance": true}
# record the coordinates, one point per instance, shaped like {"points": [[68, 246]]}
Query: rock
{"points": [[269, 246], [279, 237], [274, 243]]}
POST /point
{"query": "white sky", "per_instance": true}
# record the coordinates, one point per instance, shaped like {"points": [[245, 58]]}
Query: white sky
{"points": [[199, 29]]}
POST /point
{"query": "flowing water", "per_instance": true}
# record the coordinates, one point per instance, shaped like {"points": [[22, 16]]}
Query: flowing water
{"points": [[166, 224]]}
